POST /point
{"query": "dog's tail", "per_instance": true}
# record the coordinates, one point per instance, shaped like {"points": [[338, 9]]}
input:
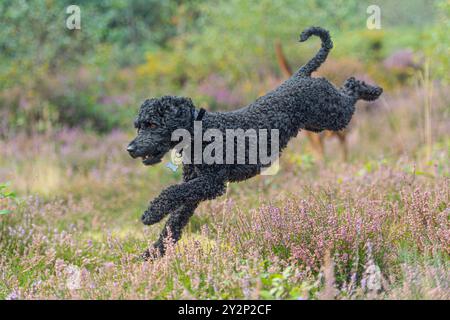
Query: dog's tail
{"points": [[321, 56]]}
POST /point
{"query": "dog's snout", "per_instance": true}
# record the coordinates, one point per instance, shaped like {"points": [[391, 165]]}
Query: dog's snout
{"points": [[131, 149]]}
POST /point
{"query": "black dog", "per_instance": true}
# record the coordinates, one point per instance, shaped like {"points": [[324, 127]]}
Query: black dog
{"points": [[302, 102]]}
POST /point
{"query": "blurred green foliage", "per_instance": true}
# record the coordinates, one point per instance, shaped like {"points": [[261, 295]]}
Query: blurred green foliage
{"points": [[437, 44], [128, 50], [6, 196]]}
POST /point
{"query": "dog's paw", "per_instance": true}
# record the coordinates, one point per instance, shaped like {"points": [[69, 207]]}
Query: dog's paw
{"points": [[150, 255], [156, 251], [149, 218]]}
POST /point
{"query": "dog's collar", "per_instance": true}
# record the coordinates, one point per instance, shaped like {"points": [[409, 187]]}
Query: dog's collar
{"points": [[198, 115]]}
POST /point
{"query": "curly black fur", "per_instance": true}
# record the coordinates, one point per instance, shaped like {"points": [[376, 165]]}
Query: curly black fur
{"points": [[302, 102]]}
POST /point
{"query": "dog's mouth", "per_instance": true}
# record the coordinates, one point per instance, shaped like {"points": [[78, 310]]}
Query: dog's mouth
{"points": [[151, 159]]}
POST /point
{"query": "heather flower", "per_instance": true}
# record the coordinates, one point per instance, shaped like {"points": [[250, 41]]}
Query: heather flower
{"points": [[13, 295], [73, 277]]}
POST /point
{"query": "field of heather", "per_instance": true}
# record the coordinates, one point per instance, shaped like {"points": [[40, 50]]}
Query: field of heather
{"points": [[372, 225]]}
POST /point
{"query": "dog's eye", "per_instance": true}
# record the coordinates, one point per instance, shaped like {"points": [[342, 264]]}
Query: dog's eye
{"points": [[149, 125]]}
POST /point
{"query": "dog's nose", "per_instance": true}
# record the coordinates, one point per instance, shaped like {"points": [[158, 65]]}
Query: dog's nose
{"points": [[131, 148]]}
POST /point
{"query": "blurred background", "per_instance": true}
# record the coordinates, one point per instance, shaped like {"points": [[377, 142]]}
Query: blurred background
{"points": [[68, 99], [221, 54]]}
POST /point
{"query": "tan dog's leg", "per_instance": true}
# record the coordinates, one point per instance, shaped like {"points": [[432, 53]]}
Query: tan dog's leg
{"points": [[342, 136], [316, 141]]}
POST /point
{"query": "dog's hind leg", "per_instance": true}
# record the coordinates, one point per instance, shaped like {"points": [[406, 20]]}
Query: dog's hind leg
{"points": [[360, 90]]}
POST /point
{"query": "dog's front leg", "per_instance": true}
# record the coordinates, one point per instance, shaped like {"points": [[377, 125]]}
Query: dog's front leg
{"points": [[172, 230], [157, 208], [184, 197], [193, 191]]}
